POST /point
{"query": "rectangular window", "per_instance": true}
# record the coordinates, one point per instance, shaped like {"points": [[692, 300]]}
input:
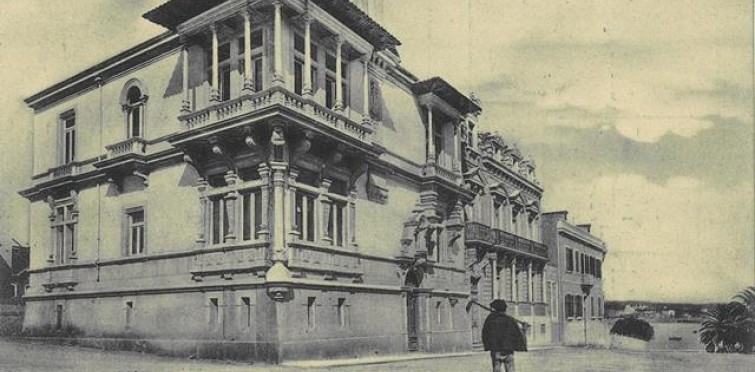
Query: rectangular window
{"points": [[592, 307], [311, 313], [68, 138], [251, 214], [330, 91], [298, 76], [219, 222], [599, 268], [305, 215], [214, 308], [336, 224], [136, 241], [58, 316], [225, 82], [129, 312], [345, 84], [439, 312], [342, 316], [569, 260], [246, 312], [438, 142], [496, 215], [64, 233]]}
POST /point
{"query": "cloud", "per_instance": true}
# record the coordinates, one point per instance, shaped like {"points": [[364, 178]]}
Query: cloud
{"points": [[650, 129], [664, 239]]}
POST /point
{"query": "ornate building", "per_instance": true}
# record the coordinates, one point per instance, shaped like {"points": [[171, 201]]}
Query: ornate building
{"points": [[265, 181]]}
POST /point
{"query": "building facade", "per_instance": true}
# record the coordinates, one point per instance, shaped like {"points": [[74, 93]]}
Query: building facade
{"points": [[578, 256], [265, 181], [14, 270]]}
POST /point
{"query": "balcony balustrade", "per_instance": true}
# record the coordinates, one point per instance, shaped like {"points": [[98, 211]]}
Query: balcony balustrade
{"points": [[65, 170], [435, 170], [477, 232], [276, 97], [134, 145]]}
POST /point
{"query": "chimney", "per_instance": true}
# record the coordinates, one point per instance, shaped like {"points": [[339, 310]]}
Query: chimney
{"points": [[585, 227], [559, 215]]}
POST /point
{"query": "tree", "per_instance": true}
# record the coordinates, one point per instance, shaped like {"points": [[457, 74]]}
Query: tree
{"points": [[728, 328], [634, 328]]}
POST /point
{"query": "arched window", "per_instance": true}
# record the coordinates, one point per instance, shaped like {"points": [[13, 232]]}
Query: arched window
{"points": [[133, 101]]}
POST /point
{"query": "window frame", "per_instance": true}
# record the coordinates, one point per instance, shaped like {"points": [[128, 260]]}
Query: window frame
{"points": [[129, 226], [67, 148], [64, 226]]}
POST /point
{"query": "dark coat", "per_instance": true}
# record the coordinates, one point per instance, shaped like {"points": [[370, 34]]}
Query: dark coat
{"points": [[501, 333]]}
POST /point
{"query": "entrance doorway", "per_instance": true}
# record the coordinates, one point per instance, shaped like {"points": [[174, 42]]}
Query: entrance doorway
{"points": [[413, 281]]}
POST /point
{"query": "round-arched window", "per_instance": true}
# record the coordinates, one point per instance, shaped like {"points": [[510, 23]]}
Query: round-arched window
{"points": [[133, 100]]}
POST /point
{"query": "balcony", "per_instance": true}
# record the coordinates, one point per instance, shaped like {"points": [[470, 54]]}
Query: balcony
{"points": [[479, 233], [246, 106], [134, 145], [434, 170], [66, 170]]}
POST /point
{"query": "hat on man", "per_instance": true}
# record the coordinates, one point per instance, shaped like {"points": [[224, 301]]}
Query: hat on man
{"points": [[498, 305]]}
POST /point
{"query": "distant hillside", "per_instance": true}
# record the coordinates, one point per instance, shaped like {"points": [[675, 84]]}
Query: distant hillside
{"points": [[657, 310]]}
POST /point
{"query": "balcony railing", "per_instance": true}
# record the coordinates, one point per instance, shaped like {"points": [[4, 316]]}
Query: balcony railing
{"points": [[481, 233], [134, 145], [69, 169], [433, 169], [275, 96]]}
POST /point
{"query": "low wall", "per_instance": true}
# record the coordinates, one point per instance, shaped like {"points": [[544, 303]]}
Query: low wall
{"points": [[11, 319]]}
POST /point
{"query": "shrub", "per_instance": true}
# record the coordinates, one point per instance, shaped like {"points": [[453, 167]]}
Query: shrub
{"points": [[634, 328]]}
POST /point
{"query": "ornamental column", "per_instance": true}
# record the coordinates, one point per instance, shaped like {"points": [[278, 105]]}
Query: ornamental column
{"points": [[264, 231], [277, 47], [365, 89], [203, 225], [307, 88], [430, 136], [230, 205], [339, 79], [530, 287], [457, 149], [214, 91], [351, 232], [324, 201], [248, 78], [186, 103], [279, 228], [494, 263], [514, 288], [293, 232]]}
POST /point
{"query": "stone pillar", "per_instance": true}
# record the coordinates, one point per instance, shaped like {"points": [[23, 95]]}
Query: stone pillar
{"points": [[530, 287], [457, 149], [430, 136], [248, 77], [324, 202], [494, 265], [365, 89], [307, 88], [214, 90], [279, 213], [339, 79], [230, 205], [514, 287], [264, 231], [351, 232], [203, 202], [293, 232], [277, 46], [186, 102]]}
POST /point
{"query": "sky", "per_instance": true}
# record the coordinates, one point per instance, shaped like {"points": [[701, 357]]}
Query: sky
{"points": [[638, 114]]}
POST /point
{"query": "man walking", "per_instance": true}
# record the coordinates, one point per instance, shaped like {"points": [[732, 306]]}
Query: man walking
{"points": [[502, 336]]}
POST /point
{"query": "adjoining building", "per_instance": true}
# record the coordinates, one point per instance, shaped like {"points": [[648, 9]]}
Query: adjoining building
{"points": [[579, 258], [265, 181], [14, 266]]}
